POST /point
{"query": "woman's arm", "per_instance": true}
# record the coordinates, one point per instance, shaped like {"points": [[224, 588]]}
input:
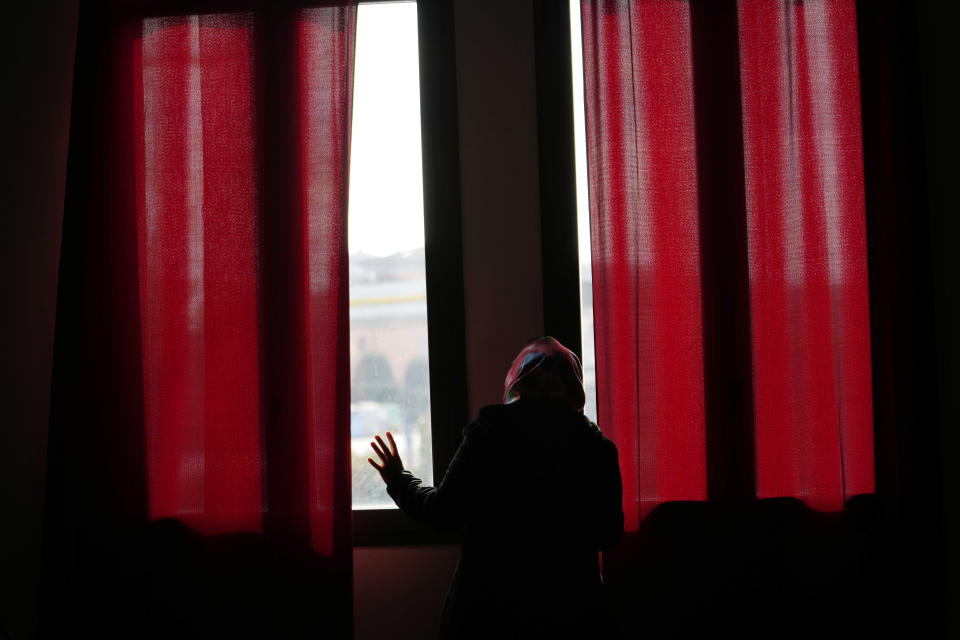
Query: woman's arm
{"points": [[440, 507]]}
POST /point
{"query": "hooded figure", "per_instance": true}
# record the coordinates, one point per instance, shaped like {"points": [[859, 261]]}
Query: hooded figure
{"points": [[535, 492]]}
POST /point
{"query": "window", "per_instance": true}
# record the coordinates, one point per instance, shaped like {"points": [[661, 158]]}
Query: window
{"points": [[390, 382]]}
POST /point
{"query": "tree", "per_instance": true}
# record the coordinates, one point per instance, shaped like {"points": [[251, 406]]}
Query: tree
{"points": [[373, 379], [416, 388]]}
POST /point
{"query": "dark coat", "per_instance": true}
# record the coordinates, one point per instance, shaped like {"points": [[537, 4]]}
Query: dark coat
{"points": [[535, 491]]}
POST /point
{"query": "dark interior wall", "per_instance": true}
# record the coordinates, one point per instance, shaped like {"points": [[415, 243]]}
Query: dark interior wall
{"points": [[939, 54], [399, 591], [37, 70]]}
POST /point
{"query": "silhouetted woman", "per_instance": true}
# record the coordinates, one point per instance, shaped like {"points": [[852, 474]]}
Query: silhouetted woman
{"points": [[535, 491]]}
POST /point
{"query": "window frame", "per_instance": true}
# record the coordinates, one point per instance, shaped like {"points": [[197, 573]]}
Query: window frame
{"points": [[443, 248], [560, 251]]}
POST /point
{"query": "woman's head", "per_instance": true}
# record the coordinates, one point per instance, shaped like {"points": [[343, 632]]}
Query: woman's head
{"points": [[544, 368]]}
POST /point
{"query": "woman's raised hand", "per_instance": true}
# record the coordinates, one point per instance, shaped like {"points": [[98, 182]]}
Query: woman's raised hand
{"points": [[390, 466]]}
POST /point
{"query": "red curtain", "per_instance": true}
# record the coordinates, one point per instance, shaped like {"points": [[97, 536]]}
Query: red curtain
{"points": [[202, 363], [198, 219], [808, 255], [803, 216], [646, 268], [198, 283]]}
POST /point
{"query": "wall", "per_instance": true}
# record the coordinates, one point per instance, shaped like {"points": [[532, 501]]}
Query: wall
{"points": [[939, 55], [399, 591], [36, 64]]}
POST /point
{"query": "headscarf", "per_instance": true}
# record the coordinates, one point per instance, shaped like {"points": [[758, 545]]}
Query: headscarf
{"points": [[544, 368]]}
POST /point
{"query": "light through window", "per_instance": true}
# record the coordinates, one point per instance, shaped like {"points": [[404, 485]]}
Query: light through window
{"points": [[390, 386], [583, 215]]}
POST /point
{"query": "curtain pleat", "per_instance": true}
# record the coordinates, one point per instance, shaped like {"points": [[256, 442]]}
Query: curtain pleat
{"points": [[808, 306], [326, 90]]}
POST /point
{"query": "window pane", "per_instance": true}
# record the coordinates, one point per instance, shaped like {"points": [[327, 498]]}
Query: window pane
{"points": [[583, 215], [388, 297]]}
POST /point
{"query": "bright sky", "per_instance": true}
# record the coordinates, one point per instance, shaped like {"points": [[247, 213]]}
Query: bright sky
{"points": [[579, 133], [386, 181]]}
